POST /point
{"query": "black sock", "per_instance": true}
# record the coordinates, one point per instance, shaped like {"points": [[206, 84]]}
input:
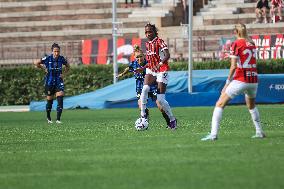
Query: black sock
{"points": [[147, 113], [48, 108], [59, 107], [166, 117]]}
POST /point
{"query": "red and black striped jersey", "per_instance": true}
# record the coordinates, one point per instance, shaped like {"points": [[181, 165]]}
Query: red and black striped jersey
{"points": [[277, 3], [154, 49], [245, 52]]}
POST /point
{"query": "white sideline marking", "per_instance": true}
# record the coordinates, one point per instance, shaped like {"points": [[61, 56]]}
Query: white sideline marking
{"points": [[14, 108]]}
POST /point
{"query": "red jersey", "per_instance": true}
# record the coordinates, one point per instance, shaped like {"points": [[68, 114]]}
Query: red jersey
{"points": [[277, 3], [153, 50], [245, 52]]}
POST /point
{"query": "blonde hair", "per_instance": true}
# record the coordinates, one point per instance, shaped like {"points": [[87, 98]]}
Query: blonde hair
{"points": [[137, 49], [241, 31]]}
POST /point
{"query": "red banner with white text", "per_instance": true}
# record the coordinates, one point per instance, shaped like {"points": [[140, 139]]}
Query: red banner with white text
{"points": [[267, 46], [100, 51]]}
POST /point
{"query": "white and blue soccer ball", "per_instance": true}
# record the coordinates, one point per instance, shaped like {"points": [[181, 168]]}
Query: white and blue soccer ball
{"points": [[141, 124]]}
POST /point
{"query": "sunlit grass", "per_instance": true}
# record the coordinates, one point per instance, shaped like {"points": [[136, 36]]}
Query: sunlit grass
{"points": [[101, 149]]}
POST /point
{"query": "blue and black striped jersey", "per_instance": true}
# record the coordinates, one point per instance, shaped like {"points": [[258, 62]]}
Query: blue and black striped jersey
{"points": [[135, 65], [54, 69]]}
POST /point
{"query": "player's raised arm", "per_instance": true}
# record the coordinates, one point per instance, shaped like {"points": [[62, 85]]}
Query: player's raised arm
{"points": [[66, 68], [123, 73], [39, 64]]}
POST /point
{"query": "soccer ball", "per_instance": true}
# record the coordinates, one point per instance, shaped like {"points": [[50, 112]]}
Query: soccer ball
{"points": [[141, 124]]}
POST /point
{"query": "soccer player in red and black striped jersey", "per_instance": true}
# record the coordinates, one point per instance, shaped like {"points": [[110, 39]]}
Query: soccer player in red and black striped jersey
{"points": [[242, 79], [156, 71]]}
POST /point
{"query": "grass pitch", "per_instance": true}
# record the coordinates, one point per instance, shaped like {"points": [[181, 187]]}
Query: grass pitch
{"points": [[101, 149]]}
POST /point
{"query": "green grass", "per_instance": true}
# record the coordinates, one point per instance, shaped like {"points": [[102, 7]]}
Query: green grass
{"points": [[101, 149]]}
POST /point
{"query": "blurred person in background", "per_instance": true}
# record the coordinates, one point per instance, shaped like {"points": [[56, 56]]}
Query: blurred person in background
{"points": [[261, 11], [276, 6], [53, 68], [127, 5], [144, 3]]}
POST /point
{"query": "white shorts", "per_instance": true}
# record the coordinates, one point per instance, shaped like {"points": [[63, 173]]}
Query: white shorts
{"points": [[162, 77], [236, 88]]}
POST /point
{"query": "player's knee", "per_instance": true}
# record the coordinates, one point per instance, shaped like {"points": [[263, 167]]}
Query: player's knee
{"points": [[160, 108], [251, 106], [144, 94], [159, 105], [220, 104], [145, 89], [161, 98]]}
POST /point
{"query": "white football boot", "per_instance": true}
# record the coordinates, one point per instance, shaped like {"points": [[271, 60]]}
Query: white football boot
{"points": [[259, 135], [209, 137]]}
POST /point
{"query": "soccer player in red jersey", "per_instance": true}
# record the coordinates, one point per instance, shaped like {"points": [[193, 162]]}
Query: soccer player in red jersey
{"points": [[156, 71], [276, 5], [242, 79]]}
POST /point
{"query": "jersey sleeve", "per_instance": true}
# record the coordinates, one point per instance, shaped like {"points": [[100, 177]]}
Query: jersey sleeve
{"points": [[44, 60], [234, 50], [162, 44], [131, 67], [64, 61]]}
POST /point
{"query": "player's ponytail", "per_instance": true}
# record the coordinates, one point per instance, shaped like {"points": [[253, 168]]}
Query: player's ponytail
{"points": [[137, 51], [136, 48], [241, 31], [55, 45]]}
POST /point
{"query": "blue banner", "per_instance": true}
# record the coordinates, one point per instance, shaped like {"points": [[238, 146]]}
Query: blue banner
{"points": [[207, 85]]}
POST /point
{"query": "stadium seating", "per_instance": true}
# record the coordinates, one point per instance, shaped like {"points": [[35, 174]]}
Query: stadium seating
{"points": [[216, 20], [29, 27]]}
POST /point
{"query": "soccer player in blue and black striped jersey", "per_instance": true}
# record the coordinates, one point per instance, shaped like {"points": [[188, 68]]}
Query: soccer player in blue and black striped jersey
{"points": [[54, 66], [137, 67]]}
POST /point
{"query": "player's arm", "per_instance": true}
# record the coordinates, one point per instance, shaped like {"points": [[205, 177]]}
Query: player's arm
{"points": [[231, 72], [123, 73], [232, 68], [66, 68], [166, 57], [164, 48], [39, 64], [234, 52]]}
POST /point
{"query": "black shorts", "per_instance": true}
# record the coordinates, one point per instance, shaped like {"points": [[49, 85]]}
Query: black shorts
{"points": [[153, 96], [50, 90]]}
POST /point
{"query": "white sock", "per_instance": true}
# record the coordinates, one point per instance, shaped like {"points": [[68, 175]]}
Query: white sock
{"points": [[256, 119], [143, 98], [216, 118], [165, 106]]}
